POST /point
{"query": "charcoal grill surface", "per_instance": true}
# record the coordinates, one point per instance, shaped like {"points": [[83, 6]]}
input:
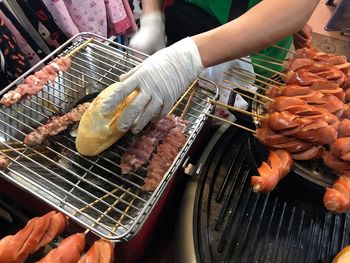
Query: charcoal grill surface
{"points": [[90, 191], [233, 224]]}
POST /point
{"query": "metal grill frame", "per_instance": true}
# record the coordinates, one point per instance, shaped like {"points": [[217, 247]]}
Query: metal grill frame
{"points": [[61, 96]]}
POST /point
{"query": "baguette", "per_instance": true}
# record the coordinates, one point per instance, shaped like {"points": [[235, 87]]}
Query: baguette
{"points": [[343, 256], [98, 131]]}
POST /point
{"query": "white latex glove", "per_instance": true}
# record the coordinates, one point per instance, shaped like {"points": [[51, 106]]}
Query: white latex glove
{"points": [[217, 74], [150, 37], [162, 78]]}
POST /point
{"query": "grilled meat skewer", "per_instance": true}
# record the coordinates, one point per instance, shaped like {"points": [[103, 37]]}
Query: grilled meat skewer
{"points": [[56, 125], [141, 150], [35, 83], [166, 153]]}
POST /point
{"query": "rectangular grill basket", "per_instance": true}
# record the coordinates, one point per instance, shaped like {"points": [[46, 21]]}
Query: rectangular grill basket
{"points": [[91, 191]]}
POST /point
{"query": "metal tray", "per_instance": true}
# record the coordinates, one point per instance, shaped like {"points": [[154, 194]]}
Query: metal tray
{"points": [[90, 191]]}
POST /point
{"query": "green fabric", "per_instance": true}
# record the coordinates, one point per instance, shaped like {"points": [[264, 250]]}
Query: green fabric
{"points": [[221, 9], [271, 52], [218, 8]]}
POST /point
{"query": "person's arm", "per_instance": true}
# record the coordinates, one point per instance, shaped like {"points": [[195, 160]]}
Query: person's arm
{"points": [[259, 28], [164, 76], [151, 35], [151, 6]]}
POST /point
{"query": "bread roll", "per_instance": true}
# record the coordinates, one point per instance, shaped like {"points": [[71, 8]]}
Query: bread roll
{"points": [[343, 256], [97, 131]]}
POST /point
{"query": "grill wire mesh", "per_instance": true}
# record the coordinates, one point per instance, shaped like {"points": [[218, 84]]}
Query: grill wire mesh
{"points": [[91, 191]]}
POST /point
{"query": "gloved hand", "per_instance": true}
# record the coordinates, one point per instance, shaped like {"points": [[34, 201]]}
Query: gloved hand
{"points": [[162, 78], [150, 37]]}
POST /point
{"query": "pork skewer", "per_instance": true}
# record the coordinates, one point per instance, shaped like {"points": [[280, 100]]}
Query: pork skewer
{"points": [[56, 125], [32, 84], [166, 153], [35, 83], [139, 153]]}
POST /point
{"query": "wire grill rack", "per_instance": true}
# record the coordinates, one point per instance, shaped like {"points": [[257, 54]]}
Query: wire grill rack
{"points": [[91, 191]]}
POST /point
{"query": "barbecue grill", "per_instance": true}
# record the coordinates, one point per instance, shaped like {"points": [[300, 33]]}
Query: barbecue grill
{"points": [[230, 223], [90, 191]]}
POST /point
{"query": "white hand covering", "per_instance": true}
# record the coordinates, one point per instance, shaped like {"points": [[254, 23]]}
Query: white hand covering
{"points": [[246, 79], [162, 78], [151, 36]]}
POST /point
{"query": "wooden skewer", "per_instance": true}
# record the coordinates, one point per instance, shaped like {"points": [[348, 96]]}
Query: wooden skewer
{"points": [[11, 150], [248, 90], [230, 122], [79, 47], [267, 61], [261, 66], [185, 110], [252, 84], [95, 202], [14, 143], [261, 76], [33, 154], [285, 49], [242, 94], [125, 211], [268, 57], [261, 81], [106, 212], [236, 109], [182, 97]]}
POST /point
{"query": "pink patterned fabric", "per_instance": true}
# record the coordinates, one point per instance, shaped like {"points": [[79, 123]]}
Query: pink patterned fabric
{"points": [[21, 42], [61, 16], [102, 17], [88, 16], [130, 15], [118, 20]]}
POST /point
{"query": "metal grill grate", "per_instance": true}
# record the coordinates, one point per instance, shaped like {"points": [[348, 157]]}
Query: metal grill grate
{"points": [[234, 224], [91, 191]]}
